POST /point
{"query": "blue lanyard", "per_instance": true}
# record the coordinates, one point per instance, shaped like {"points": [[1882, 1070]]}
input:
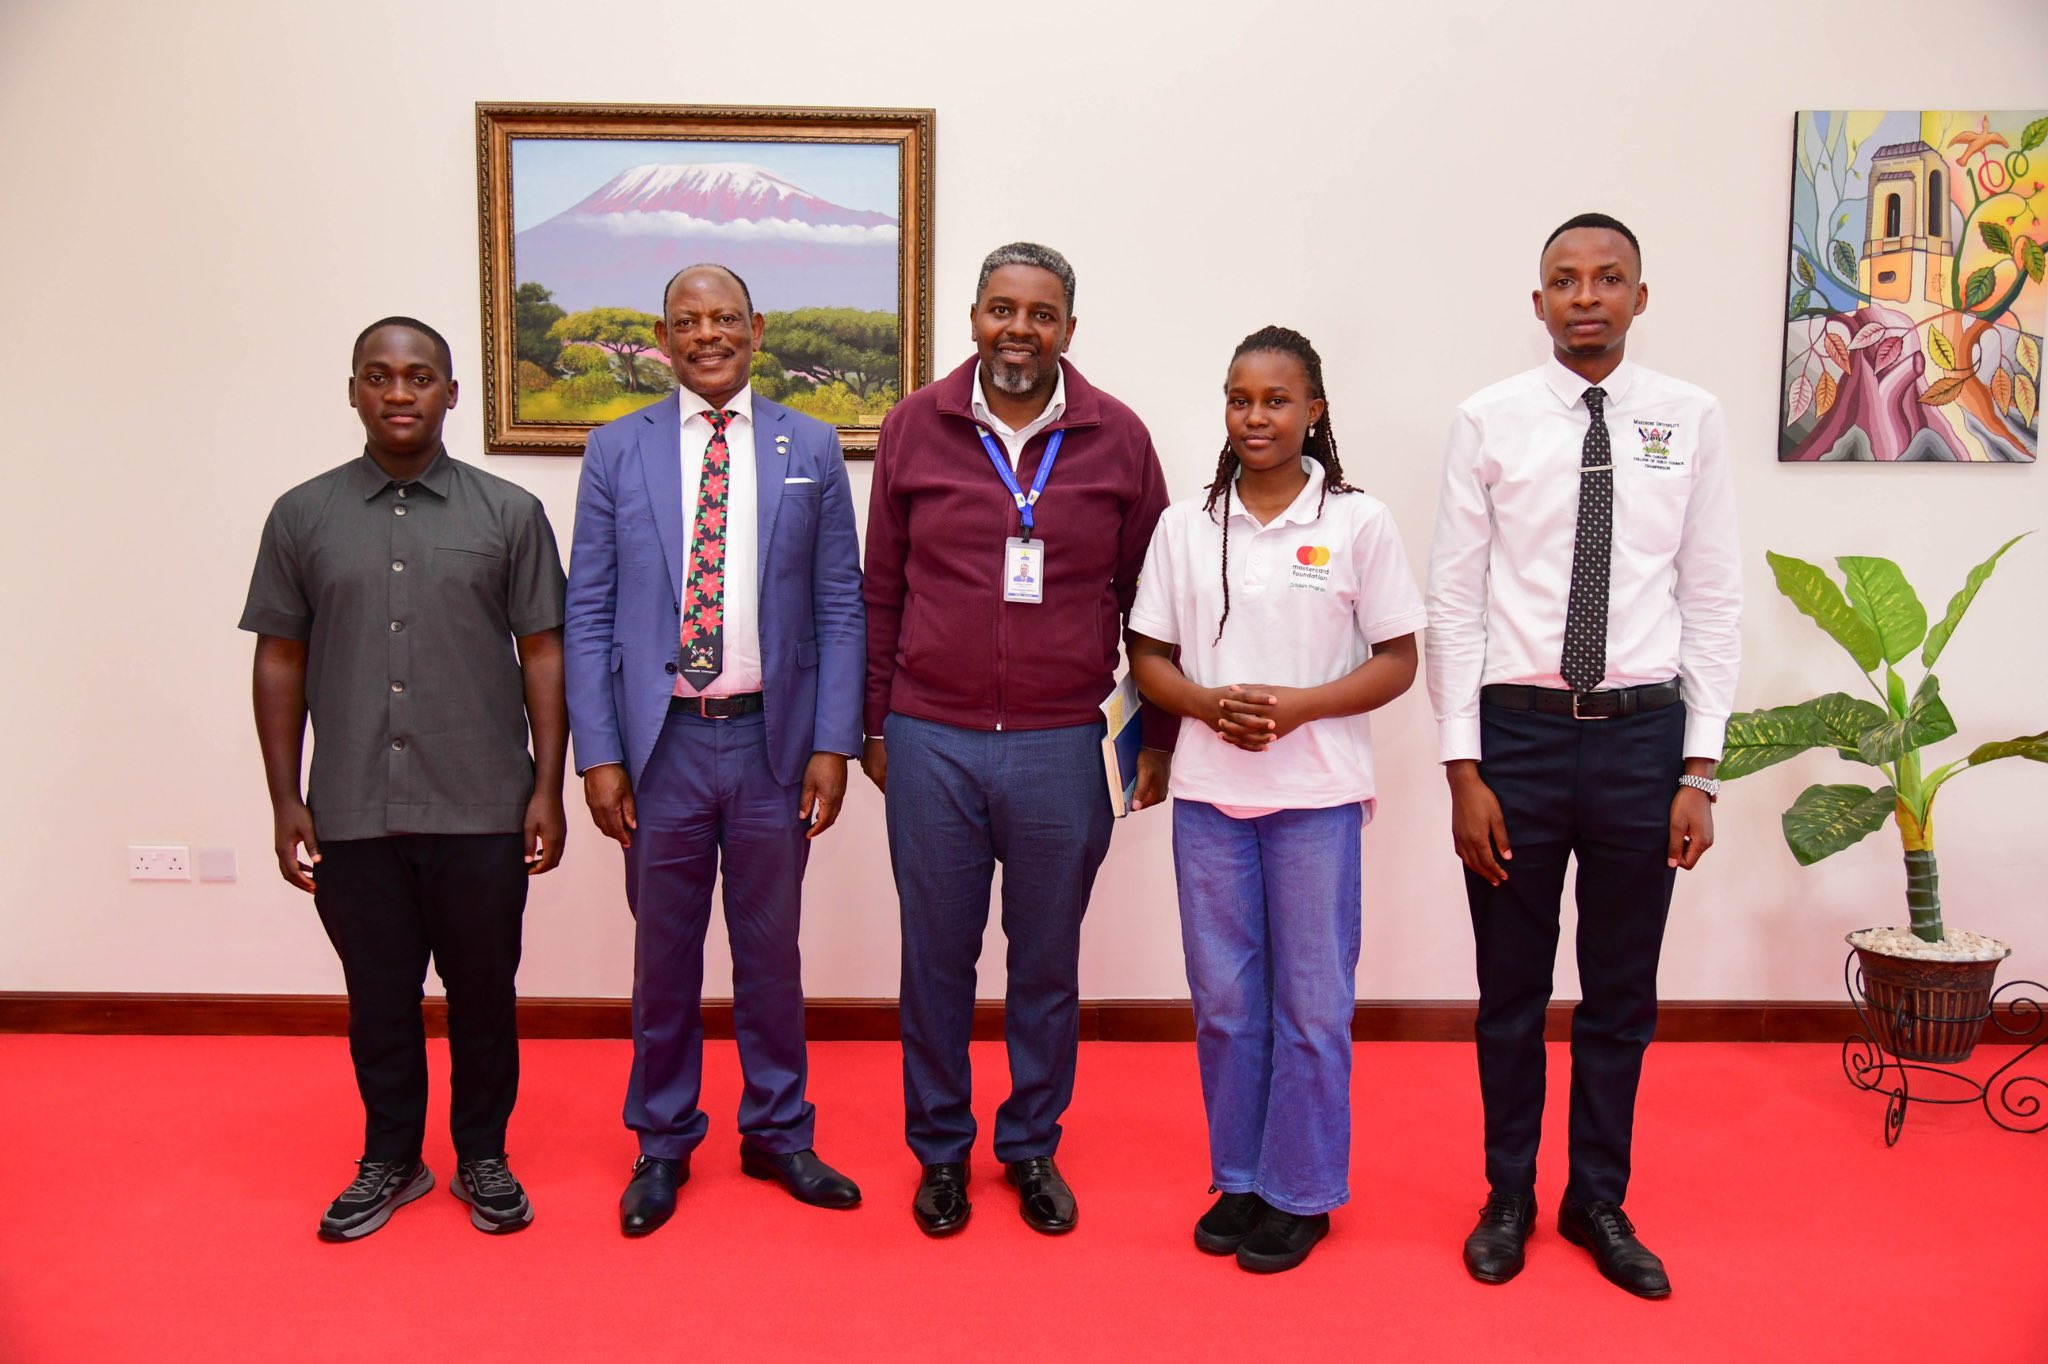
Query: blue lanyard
{"points": [[995, 457]]}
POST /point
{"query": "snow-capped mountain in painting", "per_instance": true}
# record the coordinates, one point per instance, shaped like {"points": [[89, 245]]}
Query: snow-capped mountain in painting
{"points": [[795, 249]]}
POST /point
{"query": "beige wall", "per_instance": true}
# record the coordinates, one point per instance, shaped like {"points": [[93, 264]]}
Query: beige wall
{"points": [[201, 202]]}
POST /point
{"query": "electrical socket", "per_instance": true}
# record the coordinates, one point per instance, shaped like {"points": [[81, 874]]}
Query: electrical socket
{"points": [[159, 862]]}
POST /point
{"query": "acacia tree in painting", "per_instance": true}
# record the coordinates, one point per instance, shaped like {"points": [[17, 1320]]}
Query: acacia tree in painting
{"points": [[1909, 348], [625, 332]]}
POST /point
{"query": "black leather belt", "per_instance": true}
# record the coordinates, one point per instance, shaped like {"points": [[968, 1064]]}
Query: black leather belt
{"points": [[717, 707], [1585, 705]]}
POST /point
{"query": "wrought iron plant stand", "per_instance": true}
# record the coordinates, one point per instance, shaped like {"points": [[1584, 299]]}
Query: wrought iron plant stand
{"points": [[2012, 1095]]}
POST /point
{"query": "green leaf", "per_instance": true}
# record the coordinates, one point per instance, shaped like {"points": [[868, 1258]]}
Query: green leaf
{"points": [[1846, 719], [2033, 259], [1926, 721], [1895, 693], [1938, 637], [1798, 304], [1883, 597], [1826, 819], [1996, 237], [1844, 256], [1980, 287], [1758, 739], [1805, 269], [2033, 746], [2035, 135], [1811, 590]]}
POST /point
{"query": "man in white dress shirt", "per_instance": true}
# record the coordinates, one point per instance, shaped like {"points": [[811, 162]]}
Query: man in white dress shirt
{"points": [[1583, 600]]}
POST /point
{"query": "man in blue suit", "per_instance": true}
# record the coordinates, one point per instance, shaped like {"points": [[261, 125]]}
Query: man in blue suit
{"points": [[715, 653]]}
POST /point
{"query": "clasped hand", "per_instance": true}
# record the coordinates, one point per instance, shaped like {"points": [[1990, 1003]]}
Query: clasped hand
{"points": [[1252, 715]]}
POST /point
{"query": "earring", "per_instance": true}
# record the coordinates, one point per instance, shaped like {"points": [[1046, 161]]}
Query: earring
{"points": [[1311, 432]]}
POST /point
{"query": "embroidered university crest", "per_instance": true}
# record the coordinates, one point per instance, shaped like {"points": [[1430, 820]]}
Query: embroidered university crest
{"points": [[1655, 438]]}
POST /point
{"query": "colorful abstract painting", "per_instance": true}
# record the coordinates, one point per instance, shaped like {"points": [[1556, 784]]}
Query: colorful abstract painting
{"points": [[1915, 302]]}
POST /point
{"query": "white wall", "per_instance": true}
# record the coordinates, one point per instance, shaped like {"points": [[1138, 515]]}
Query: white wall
{"points": [[200, 204]]}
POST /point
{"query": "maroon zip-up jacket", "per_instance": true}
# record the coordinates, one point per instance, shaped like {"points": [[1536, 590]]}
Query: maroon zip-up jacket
{"points": [[942, 643]]}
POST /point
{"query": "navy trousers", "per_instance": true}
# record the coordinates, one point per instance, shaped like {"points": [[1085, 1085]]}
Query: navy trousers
{"points": [[392, 904], [708, 799], [959, 802], [1599, 790]]}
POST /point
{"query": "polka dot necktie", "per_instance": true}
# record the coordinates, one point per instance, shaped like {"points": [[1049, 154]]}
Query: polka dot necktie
{"points": [[1585, 613], [704, 589]]}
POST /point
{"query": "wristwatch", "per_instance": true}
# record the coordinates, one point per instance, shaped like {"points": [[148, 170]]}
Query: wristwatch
{"points": [[1706, 784]]}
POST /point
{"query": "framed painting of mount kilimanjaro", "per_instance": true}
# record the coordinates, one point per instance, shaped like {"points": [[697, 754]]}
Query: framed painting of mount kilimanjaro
{"points": [[585, 211], [1915, 297]]}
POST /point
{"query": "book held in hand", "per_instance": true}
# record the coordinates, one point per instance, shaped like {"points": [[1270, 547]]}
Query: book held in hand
{"points": [[1121, 742]]}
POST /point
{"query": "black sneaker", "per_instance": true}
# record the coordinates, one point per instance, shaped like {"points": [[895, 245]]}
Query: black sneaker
{"points": [[496, 1202], [1281, 1241], [380, 1188], [1223, 1228]]}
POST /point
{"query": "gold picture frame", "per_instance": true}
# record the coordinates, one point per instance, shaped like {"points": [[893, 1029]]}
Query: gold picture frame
{"points": [[584, 209]]}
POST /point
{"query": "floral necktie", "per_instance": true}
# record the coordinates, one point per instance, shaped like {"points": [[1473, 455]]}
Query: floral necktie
{"points": [[704, 589]]}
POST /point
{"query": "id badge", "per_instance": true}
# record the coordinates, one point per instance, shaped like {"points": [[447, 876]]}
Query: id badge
{"points": [[1023, 570]]}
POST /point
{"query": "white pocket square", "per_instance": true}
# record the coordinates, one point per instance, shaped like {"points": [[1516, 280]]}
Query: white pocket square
{"points": [[799, 480]]}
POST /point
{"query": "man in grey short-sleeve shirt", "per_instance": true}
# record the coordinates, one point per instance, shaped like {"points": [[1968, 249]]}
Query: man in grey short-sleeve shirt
{"points": [[412, 606]]}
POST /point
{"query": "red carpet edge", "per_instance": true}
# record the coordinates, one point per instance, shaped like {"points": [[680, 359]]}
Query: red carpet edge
{"points": [[866, 1020]]}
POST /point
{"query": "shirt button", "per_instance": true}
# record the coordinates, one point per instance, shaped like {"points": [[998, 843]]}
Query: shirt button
{"points": [[396, 626], [669, 666], [398, 511], [398, 565], [398, 686], [402, 492], [398, 745]]}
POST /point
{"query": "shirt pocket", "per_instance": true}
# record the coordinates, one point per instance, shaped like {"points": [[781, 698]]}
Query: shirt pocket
{"points": [[475, 566], [1649, 509]]}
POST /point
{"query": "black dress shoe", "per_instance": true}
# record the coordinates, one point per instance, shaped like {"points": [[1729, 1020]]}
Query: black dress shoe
{"points": [[941, 1207], [1493, 1252], [1604, 1229], [1223, 1228], [1042, 1196], [1282, 1240], [808, 1179], [650, 1197]]}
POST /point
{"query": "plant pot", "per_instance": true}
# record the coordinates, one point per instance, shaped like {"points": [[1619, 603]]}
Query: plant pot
{"points": [[1926, 1009]]}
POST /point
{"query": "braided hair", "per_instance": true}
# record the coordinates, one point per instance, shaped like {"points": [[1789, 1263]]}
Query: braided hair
{"points": [[1320, 444]]}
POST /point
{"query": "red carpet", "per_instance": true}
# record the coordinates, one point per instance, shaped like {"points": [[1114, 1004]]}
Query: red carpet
{"points": [[158, 1198]]}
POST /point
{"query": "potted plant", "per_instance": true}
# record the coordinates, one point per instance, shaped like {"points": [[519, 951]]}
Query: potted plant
{"points": [[1929, 988]]}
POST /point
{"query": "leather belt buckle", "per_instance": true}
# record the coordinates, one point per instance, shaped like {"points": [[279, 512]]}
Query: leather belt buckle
{"points": [[1578, 714]]}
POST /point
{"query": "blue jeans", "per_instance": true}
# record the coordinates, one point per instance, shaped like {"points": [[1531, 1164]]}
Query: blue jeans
{"points": [[1269, 915], [960, 801]]}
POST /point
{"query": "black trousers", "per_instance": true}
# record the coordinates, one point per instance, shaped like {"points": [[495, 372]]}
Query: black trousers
{"points": [[1599, 790], [389, 906]]}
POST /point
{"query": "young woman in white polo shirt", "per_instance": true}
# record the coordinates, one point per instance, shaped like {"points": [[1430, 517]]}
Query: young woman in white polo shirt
{"points": [[1290, 599]]}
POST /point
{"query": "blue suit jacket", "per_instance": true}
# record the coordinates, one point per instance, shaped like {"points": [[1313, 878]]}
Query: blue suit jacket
{"points": [[623, 629]]}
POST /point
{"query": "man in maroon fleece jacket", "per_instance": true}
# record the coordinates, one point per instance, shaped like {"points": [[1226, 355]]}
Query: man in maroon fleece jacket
{"points": [[1012, 505]]}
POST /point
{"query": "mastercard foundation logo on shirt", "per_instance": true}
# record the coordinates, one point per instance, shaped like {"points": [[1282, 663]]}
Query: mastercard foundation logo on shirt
{"points": [[1311, 568]]}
